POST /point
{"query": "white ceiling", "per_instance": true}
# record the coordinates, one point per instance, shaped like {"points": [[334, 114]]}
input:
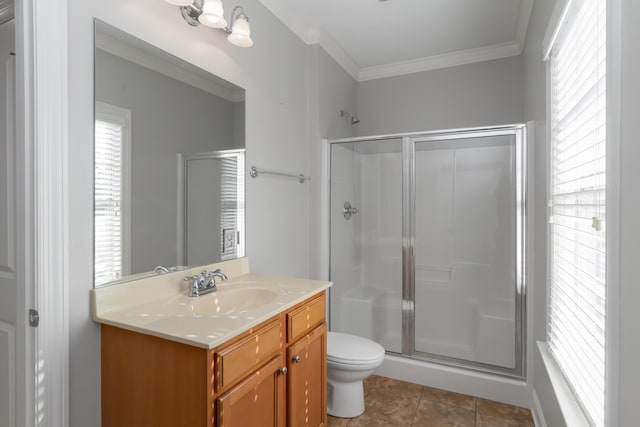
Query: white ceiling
{"points": [[380, 38]]}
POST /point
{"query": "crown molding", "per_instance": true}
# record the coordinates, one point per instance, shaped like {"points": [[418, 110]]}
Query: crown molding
{"points": [[166, 64], [335, 50], [523, 22], [6, 11], [312, 35], [486, 53]]}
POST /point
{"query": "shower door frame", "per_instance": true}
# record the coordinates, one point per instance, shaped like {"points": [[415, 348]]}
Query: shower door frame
{"points": [[409, 140]]}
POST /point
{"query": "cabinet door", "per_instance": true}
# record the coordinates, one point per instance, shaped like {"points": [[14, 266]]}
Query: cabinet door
{"points": [[307, 380], [257, 401]]}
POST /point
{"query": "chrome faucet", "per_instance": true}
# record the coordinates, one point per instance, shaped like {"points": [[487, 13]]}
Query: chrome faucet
{"points": [[205, 282], [161, 269], [217, 273]]}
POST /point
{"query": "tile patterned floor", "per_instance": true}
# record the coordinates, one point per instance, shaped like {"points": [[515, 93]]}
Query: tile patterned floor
{"points": [[393, 403]]}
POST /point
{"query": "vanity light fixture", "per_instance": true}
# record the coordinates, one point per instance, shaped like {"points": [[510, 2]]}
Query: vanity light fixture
{"points": [[211, 14]]}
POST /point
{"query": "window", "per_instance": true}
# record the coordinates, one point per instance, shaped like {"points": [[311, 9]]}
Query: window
{"points": [[111, 190], [578, 189]]}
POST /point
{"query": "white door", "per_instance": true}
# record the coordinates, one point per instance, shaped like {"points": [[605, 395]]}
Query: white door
{"points": [[12, 357]]}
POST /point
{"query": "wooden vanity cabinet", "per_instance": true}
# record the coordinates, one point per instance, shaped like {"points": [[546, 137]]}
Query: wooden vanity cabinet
{"points": [[307, 380], [307, 364], [271, 375], [150, 381]]}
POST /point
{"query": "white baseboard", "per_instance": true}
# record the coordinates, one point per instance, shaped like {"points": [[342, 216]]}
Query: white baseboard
{"points": [[491, 387], [536, 411]]}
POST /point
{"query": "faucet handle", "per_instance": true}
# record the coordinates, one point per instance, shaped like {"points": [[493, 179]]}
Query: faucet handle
{"points": [[194, 289]]}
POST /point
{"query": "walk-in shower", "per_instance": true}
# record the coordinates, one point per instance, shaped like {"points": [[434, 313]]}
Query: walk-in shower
{"points": [[427, 242]]}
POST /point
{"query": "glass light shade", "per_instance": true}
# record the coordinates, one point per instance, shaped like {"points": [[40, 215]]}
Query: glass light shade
{"points": [[212, 14], [241, 33], [181, 2]]}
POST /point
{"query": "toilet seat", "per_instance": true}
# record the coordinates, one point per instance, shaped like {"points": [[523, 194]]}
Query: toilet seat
{"points": [[352, 350]]}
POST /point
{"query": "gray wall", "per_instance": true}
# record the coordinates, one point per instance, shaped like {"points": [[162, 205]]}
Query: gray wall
{"points": [[331, 89], [167, 117], [480, 94]]}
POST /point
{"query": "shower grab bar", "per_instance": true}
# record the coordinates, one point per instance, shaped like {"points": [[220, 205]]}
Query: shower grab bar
{"points": [[254, 172]]}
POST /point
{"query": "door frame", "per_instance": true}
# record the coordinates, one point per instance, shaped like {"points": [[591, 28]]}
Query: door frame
{"points": [[42, 392]]}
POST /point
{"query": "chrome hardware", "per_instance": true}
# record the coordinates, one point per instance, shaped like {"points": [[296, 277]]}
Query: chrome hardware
{"points": [[283, 370], [161, 269], [205, 282], [347, 210], [254, 172], [34, 318], [194, 289], [352, 119], [212, 278], [219, 273], [296, 358]]}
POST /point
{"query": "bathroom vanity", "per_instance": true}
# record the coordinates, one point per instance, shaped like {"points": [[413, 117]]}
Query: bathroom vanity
{"points": [[252, 353]]}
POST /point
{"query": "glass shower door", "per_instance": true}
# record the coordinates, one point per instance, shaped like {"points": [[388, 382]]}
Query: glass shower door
{"points": [[427, 245], [467, 248]]}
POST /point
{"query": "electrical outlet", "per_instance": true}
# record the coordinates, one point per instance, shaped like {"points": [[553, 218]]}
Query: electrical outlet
{"points": [[228, 239]]}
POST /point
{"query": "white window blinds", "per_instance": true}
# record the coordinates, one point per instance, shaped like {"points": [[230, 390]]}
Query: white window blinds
{"points": [[232, 205], [110, 197], [577, 289]]}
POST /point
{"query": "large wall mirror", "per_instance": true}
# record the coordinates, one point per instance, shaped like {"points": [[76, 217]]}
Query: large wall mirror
{"points": [[169, 162]]}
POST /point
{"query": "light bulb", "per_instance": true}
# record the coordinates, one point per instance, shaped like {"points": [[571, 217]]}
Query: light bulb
{"points": [[212, 14], [241, 32]]}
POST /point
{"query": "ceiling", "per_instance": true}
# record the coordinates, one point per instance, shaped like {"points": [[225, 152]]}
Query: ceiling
{"points": [[380, 38]]}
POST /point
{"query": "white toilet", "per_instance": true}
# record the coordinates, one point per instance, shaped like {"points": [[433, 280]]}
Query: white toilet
{"points": [[350, 359]]}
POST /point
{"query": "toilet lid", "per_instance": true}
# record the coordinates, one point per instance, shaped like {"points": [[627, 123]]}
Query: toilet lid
{"points": [[345, 348]]}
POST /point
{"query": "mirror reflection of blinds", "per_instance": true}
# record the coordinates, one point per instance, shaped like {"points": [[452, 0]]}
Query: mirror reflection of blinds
{"points": [[577, 291], [230, 215], [108, 202]]}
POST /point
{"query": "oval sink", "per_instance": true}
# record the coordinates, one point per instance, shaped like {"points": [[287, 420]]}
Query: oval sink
{"points": [[233, 300]]}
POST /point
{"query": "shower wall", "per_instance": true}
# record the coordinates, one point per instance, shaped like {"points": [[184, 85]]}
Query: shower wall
{"points": [[464, 211]]}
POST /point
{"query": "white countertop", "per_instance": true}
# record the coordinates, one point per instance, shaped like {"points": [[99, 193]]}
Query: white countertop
{"points": [[160, 306]]}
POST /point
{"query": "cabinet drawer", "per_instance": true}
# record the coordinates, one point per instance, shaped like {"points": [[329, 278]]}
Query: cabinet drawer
{"points": [[303, 319], [238, 360]]}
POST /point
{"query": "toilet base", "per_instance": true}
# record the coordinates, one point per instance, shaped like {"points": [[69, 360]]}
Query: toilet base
{"points": [[345, 399]]}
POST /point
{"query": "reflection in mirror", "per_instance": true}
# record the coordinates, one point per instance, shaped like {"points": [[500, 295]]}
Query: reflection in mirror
{"points": [[169, 161], [212, 194]]}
